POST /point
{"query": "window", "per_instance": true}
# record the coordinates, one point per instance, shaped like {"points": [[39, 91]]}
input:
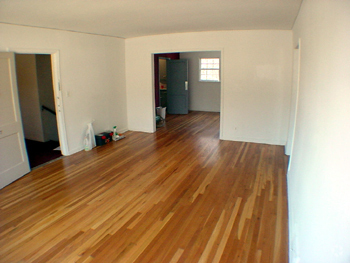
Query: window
{"points": [[209, 69]]}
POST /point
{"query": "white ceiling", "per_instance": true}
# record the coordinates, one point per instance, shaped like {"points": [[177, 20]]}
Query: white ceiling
{"points": [[133, 18]]}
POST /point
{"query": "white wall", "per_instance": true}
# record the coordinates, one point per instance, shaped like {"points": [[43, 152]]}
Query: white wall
{"points": [[92, 72], [319, 178], [256, 80], [29, 97], [203, 96]]}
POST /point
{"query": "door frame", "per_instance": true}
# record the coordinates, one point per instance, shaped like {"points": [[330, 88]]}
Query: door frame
{"points": [[294, 102], [221, 81], [58, 98]]}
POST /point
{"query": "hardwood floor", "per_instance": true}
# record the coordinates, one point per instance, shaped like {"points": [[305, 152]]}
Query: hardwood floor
{"points": [[178, 195]]}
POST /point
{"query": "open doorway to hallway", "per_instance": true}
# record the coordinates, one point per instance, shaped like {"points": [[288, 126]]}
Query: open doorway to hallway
{"points": [[37, 103], [202, 95]]}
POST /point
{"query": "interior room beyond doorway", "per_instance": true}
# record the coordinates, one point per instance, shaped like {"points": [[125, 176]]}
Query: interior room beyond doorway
{"points": [[202, 95]]}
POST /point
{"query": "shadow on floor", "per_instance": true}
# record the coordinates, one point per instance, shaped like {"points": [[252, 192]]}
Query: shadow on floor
{"points": [[42, 152]]}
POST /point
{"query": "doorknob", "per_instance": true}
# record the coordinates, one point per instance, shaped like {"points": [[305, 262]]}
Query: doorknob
{"points": [[186, 85]]}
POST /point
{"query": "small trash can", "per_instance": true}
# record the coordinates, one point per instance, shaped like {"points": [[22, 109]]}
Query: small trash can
{"points": [[161, 111]]}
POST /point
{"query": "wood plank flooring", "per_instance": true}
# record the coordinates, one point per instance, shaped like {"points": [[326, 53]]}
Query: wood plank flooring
{"points": [[178, 195]]}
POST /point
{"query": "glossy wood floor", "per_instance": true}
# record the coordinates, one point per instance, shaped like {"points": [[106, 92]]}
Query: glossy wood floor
{"points": [[178, 195]]}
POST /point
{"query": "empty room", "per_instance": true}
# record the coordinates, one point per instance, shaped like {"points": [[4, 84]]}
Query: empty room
{"points": [[249, 163]]}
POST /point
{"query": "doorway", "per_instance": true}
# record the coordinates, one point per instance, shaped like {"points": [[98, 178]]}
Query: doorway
{"points": [[202, 95], [160, 77], [37, 103]]}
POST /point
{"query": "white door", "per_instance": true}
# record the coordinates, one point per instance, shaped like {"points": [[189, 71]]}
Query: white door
{"points": [[13, 155]]}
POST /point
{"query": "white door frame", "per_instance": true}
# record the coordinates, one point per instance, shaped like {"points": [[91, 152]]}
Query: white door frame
{"points": [[294, 102], [61, 124], [221, 50]]}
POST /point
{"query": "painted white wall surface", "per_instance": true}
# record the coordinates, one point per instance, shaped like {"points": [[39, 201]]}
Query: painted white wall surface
{"points": [[255, 87], [92, 74], [294, 101], [319, 177], [203, 96], [29, 97]]}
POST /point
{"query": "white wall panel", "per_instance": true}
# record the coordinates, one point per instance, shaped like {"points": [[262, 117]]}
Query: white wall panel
{"points": [[319, 177]]}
